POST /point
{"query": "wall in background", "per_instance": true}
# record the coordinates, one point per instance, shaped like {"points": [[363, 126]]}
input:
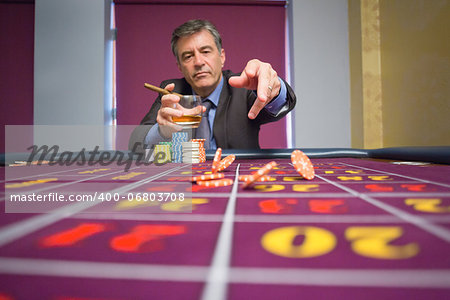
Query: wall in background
{"points": [[321, 73], [16, 65], [70, 67], [414, 63], [400, 62], [249, 29]]}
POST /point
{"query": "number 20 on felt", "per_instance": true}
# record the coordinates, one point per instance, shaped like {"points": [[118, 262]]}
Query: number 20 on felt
{"points": [[371, 241]]}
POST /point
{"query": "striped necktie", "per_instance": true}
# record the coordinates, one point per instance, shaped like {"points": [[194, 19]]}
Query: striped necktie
{"points": [[204, 130]]}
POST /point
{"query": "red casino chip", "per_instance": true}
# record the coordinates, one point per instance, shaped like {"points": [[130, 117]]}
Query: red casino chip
{"points": [[226, 162], [258, 174], [302, 164], [208, 177], [201, 141], [216, 182], [216, 160], [262, 178], [202, 156]]}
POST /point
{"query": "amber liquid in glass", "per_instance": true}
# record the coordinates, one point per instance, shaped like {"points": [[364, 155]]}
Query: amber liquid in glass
{"points": [[188, 121]]}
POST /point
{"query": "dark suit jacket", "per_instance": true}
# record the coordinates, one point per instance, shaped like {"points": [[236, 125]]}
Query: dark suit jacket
{"points": [[232, 128]]}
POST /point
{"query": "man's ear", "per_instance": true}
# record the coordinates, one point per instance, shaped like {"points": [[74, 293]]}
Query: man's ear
{"points": [[222, 56]]}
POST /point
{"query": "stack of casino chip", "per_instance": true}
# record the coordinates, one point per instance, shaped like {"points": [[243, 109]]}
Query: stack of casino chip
{"points": [[178, 138], [170, 148], [191, 152], [202, 152], [162, 148]]}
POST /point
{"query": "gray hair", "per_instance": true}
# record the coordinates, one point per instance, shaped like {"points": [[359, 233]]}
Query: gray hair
{"points": [[191, 27]]}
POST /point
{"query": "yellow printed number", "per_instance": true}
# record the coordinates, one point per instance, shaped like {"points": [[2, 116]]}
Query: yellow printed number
{"points": [[374, 242], [427, 205], [292, 178], [269, 187], [354, 171], [316, 241], [305, 187], [179, 206], [187, 205], [29, 183], [350, 178], [380, 178]]}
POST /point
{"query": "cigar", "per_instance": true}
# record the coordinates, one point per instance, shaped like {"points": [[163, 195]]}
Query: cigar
{"points": [[160, 90]]}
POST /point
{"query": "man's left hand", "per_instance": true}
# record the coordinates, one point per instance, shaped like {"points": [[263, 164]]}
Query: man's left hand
{"points": [[259, 76]]}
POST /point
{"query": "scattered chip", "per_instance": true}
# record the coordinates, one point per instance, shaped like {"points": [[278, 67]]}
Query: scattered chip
{"points": [[258, 174], [216, 160], [216, 182], [302, 164], [226, 162], [262, 178], [208, 177]]}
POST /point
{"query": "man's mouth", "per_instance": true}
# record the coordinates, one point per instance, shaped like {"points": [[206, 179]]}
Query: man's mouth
{"points": [[201, 74]]}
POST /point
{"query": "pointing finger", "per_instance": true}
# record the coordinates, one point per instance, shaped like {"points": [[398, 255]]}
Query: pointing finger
{"points": [[264, 77], [248, 77], [240, 81]]}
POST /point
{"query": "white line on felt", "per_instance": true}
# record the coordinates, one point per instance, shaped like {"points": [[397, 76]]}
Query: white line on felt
{"points": [[192, 217], [408, 278], [314, 195], [19, 229], [411, 195], [434, 229], [217, 282], [110, 270], [415, 278], [273, 195]]}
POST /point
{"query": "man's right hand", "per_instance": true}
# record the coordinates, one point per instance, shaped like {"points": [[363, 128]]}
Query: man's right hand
{"points": [[167, 111]]}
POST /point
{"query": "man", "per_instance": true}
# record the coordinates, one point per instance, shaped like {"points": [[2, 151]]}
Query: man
{"points": [[240, 104]]}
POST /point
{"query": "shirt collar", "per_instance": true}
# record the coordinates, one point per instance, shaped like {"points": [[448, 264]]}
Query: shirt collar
{"points": [[215, 95]]}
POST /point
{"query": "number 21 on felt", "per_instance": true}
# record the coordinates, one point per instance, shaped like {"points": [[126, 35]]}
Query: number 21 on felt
{"points": [[141, 238], [371, 241]]}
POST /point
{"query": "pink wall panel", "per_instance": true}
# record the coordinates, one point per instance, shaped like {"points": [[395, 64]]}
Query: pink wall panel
{"points": [[16, 64], [144, 55]]}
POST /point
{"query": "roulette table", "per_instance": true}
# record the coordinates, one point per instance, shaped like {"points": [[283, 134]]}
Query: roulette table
{"points": [[370, 224]]}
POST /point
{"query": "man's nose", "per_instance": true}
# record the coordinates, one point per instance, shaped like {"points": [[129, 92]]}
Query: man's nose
{"points": [[198, 59]]}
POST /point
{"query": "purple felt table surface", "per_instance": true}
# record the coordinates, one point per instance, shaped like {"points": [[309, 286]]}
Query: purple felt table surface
{"points": [[361, 229]]}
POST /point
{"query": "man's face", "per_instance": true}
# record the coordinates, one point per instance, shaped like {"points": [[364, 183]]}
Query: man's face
{"points": [[200, 61]]}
